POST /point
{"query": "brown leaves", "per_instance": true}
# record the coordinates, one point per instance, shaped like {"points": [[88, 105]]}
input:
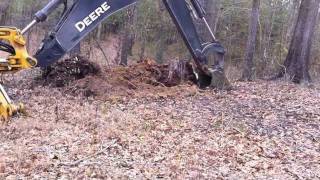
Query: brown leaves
{"points": [[260, 129]]}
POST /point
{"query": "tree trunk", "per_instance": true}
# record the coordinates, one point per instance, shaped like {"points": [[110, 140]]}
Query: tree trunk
{"points": [[142, 50], [161, 46], [162, 36], [213, 10], [128, 36], [247, 74], [4, 5], [99, 32], [296, 65], [293, 16]]}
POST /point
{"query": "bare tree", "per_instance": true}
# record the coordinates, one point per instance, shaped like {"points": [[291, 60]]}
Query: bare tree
{"points": [[3, 10], [212, 8], [265, 36], [251, 43], [296, 65], [293, 16], [128, 36]]}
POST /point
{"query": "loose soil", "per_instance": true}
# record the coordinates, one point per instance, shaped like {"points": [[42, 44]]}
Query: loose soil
{"points": [[79, 76]]}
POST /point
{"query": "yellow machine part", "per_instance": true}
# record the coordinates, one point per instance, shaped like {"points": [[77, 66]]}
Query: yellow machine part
{"points": [[21, 59], [18, 61], [7, 108]]}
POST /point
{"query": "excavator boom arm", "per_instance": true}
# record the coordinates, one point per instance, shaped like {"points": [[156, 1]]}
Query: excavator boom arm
{"points": [[79, 20], [83, 16]]}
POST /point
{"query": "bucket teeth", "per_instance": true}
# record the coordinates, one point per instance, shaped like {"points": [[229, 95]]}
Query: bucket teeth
{"points": [[212, 78]]}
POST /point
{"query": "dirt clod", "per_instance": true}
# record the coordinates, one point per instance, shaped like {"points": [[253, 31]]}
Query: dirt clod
{"points": [[63, 73]]}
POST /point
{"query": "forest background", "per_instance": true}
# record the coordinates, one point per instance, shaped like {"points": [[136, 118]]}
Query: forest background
{"points": [[146, 31]]}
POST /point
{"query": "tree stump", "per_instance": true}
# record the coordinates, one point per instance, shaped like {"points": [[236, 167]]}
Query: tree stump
{"points": [[182, 70]]}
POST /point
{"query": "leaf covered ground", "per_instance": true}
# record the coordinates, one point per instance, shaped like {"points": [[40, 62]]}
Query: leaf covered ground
{"points": [[259, 130]]}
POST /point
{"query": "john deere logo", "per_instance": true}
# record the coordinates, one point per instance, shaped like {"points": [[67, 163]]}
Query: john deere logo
{"points": [[93, 16]]}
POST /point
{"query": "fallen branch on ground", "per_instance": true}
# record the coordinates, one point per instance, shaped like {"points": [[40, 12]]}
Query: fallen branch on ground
{"points": [[88, 157]]}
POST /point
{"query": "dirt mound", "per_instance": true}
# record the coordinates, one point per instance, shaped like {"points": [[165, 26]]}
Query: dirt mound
{"points": [[148, 72], [81, 77], [64, 72], [141, 79]]}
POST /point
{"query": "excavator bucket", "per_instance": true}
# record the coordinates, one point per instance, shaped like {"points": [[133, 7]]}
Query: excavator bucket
{"points": [[208, 56]]}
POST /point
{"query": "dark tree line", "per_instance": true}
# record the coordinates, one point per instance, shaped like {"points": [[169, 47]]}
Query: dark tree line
{"points": [[297, 63], [262, 38]]}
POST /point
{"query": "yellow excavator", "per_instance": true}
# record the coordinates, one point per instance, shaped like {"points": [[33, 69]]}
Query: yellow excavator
{"points": [[83, 16]]}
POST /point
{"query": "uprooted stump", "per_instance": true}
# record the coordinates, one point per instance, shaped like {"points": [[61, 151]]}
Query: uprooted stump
{"points": [[64, 72], [175, 73], [172, 74], [148, 72], [180, 71]]}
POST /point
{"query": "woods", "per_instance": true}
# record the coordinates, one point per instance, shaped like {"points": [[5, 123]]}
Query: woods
{"points": [[130, 100], [297, 63], [259, 36]]}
